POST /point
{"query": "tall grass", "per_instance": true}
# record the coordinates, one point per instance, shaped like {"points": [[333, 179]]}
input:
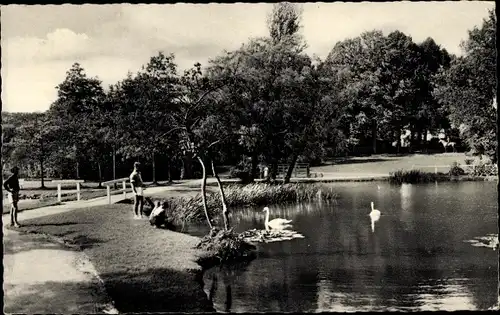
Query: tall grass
{"points": [[416, 176], [186, 210]]}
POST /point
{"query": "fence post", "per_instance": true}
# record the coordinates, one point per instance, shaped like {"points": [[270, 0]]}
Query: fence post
{"points": [[435, 169], [78, 191], [124, 190], [59, 193], [108, 191]]}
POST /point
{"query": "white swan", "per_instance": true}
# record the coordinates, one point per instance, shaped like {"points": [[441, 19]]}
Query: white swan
{"points": [[276, 224], [374, 216]]}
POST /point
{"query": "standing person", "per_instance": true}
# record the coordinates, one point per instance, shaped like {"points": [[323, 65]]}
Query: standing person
{"points": [[12, 187], [137, 188]]}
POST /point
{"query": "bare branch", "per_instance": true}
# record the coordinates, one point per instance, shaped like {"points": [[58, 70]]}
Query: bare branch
{"points": [[195, 122], [213, 143], [198, 102], [174, 129]]}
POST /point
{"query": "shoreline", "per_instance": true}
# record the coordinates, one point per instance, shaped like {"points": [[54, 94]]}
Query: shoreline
{"points": [[195, 183]]}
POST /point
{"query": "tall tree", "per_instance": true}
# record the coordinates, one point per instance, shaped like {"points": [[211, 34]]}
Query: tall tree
{"points": [[147, 103], [399, 72], [357, 64], [430, 115], [196, 122], [278, 92], [469, 86], [34, 142], [78, 98], [284, 21]]}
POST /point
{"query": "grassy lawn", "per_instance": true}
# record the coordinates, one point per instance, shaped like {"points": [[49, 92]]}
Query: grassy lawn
{"points": [[385, 163], [144, 269]]}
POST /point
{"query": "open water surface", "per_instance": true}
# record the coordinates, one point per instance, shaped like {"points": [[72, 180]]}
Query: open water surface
{"points": [[415, 260]]}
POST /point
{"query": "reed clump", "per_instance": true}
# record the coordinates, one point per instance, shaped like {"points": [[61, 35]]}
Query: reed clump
{"points": [[416, 176], [187, 210]]}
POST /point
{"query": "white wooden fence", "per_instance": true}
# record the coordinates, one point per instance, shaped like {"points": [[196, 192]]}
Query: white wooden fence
{"points": [[67, 181], [112, 182], [300, 170], [435, 167]]}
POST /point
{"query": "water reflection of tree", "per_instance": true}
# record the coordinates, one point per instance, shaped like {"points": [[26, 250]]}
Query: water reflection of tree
{"points": [[277, 285], [220, 283], [483, 278]]}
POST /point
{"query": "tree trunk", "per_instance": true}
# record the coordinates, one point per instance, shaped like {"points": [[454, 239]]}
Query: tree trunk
{"points": [[398, 137], [213, 288], [229, 298], [114, 165], [289, 172], [412, 134], [187, 166], [222, 197], [204, 191], [274, 170], [100, 174], [42, 173], [61, 168], [419, 139], [425, 140], [374, 136], [255, 163], [183, 171], [154, 170], [77, 170], [169, 170]]}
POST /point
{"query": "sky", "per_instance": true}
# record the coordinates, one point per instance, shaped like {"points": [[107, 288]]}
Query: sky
{"points": [[41, 42]]}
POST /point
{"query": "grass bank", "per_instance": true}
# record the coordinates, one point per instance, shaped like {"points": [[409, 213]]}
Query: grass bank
{"points": [[190, 209], [144, 269]]}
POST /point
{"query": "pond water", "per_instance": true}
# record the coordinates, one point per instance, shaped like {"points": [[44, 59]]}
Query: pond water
{"points": [[415, 260]]}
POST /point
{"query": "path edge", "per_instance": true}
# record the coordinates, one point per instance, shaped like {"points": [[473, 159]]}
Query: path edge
{"points": [[85, 265]]}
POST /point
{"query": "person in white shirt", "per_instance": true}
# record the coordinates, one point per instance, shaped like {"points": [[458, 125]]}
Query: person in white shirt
{"points": [[138, 189]]}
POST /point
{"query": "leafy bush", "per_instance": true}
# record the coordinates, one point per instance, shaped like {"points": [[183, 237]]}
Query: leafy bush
{"points": [[244, 175], [226, 246], [242, 170], [469, 161], [485, 169], [456, 170], [415, 176]]}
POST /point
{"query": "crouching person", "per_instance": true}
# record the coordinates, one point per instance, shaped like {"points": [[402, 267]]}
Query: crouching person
{"points": [[158, 217]]}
